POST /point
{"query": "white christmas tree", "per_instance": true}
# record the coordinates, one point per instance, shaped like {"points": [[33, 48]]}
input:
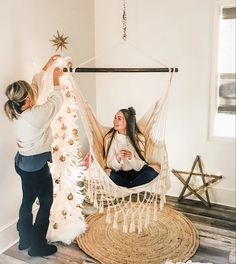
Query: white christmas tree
{"points": [[66, 219]]}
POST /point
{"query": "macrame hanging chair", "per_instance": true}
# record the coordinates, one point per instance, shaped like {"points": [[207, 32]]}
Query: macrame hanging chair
{"points": [[132, 204]]}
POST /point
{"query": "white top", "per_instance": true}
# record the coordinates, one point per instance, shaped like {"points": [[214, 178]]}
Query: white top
{"points": [[120, 142], [32, 128]]}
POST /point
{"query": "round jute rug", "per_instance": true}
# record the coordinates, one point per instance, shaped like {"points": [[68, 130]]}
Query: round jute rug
{"points": [[172, 237]]}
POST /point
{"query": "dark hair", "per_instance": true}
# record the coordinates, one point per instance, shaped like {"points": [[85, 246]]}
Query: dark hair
{"points": [[132, 131], [16, 94]]}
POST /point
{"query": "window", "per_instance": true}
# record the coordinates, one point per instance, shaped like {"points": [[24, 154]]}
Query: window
{"points": [[223, 94], [227, 84]]}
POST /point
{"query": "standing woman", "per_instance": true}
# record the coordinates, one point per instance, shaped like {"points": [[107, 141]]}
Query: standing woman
{"points": [[34, 138], [124, 147]]}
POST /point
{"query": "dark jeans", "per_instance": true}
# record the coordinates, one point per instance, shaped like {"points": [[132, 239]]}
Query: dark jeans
{"points": [[133, 178], [35, 184]]}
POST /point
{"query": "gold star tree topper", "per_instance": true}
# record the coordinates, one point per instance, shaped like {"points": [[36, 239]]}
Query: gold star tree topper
{"points": [[59, 41]]}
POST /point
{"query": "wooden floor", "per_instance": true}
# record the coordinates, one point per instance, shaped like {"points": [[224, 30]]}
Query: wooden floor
{"points": [[216, 226]]}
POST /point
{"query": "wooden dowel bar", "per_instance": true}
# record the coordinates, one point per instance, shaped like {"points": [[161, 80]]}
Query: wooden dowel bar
{"points": [[97, 70]]}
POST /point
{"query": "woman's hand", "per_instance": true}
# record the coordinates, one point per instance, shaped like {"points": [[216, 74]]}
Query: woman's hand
{"points": [[156, 167], [87, 160], [51, 61], [57, 73], [124, 153], [108, 171]]}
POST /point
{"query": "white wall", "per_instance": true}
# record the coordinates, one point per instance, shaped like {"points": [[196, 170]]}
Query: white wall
{"points": [[179, 34], [26, 27]]}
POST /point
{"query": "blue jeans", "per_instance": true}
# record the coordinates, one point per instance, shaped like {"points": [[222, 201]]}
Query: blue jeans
{"points": [[36, 184], [132, 178]]}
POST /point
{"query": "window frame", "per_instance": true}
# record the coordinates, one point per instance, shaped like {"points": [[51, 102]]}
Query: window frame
{"points": [[214, 89]]}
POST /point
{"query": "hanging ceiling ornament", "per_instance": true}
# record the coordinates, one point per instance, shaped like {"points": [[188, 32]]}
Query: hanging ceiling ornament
{"points": [[59, 41], [124, 20]]}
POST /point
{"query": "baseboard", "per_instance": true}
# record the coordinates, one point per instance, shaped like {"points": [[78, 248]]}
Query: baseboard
{"points": [[217, 195], [8, 236]]}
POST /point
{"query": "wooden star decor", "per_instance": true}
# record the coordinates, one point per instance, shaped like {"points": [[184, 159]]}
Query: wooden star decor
{"points": [[207, 181], [59, 41]]}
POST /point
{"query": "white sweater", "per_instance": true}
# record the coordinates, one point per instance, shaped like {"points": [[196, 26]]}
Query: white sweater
{"points": [[119, 142], [32, 128]]}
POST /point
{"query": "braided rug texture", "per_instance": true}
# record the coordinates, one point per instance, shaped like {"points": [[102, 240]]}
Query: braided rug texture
{"points": [[172, 237]]}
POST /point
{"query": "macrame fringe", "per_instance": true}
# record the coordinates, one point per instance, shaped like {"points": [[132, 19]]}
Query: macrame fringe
{"points": [[155, 211], [95, 202], [115, 221], [108, 218], [140, 223], [132, 224], [147, 219], [125, 223], [101, 206]]}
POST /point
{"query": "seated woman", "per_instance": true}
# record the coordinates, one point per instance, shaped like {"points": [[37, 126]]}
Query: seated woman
{"points": [[123, 151]]}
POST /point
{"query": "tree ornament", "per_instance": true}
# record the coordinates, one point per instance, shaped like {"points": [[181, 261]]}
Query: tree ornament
{"points": [[59, 41], [57, 181], [64, 213], [70, 196], [63, 127], [62, 158], [55, 226], [55, 148], [74, 131], [68, 110], [71, 141]]}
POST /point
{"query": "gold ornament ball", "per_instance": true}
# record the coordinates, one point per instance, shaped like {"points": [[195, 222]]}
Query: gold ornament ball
{"points": [[57, 181], [70, 196], [74, 131], [64, 212], [68, 110], [55, 148], [55, 226], [62, 158], [71, 141]]}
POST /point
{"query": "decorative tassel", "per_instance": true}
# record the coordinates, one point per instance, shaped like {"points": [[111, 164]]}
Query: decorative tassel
{"points": [[95, 202], [162, 202], [138, 198], [132, 224], [125, 224], [140, 224], [155, 211], [115, 221], [101, 209], [91, 191], [147, 220], [108, 218]]}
